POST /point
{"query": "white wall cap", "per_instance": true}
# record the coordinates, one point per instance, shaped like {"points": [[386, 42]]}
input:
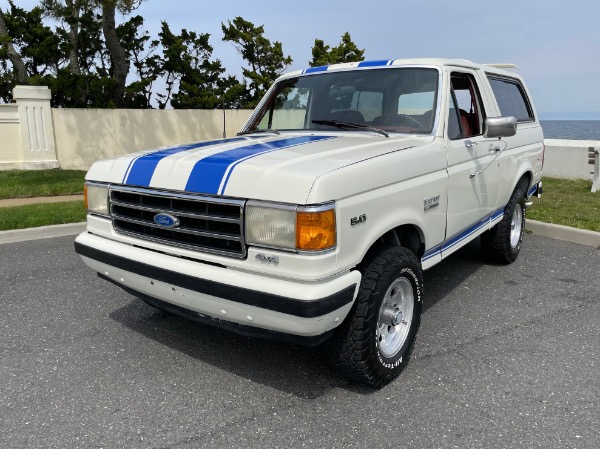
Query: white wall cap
{"points": [[31, 93]]}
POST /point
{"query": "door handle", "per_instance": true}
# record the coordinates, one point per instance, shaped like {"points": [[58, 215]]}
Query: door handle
{"points": [[494, 148]]}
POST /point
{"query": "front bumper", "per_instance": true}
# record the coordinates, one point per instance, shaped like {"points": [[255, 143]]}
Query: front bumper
{"points": [[219, 295]]}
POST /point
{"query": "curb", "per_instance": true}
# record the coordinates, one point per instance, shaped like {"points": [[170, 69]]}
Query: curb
{"points": [[12, 202], [560, 232], [43, 232]]}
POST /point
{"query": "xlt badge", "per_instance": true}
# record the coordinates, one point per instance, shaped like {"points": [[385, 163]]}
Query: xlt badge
{"points": [[431, 202]]}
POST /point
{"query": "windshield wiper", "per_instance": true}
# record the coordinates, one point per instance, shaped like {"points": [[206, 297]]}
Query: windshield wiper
{"points": [[348, 125], [256, 131]]}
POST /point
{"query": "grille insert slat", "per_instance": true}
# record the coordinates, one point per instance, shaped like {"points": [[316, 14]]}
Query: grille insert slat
{"points": [[207, 224]]}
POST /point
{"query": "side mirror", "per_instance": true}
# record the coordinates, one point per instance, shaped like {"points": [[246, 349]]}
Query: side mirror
{"points": [[500, 127]]}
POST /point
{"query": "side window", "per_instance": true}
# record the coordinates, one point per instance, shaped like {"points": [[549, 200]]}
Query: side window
{"points": [[511, 98], [355, 106], [419, 106], [468, 104], [416, 103], [454, 131], [289, 111], [369, 103]]}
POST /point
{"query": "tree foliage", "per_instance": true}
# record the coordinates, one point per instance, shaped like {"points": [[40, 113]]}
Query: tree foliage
{"points": [[202, 84], [346, 51], [266, 60], [97, 53]]}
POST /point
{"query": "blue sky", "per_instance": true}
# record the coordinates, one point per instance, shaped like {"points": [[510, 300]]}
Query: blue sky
{"points": [[556, 44]]}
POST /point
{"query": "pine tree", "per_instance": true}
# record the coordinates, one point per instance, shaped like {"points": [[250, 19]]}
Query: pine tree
{"points": [[266, 60], [346, 51]]}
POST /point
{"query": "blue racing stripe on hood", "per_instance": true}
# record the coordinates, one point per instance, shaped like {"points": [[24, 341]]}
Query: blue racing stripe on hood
{"points": [[208, 174], [140, 170]]}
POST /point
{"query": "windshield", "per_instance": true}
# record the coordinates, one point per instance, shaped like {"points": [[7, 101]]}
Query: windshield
{"points": [[401, 100]]}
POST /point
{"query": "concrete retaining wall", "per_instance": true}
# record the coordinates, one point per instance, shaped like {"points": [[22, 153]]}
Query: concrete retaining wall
{"points": [[569, 158], [10, 134], [87, 135], [26, 131], [35, 136]]}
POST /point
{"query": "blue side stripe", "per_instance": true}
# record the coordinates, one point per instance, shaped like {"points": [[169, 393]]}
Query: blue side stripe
{"points": [[464, 234], [457, 238], [378, 63], [532, 191], [497, 214], [140, 170], [208, 173], [432, 252]]}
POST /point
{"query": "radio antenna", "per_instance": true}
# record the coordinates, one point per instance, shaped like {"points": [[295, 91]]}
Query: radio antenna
{"points": [[224, 132]]}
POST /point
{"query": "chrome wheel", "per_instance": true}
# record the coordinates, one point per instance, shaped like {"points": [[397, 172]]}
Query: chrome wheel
{"points": [[516, 225], [395, 317], [374, 343]]}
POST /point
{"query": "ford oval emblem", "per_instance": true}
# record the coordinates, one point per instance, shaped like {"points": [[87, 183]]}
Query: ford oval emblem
{"points": [[166, 220]]}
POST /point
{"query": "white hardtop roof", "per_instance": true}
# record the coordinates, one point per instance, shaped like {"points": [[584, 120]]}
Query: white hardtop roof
{"points": [[382, 63]]}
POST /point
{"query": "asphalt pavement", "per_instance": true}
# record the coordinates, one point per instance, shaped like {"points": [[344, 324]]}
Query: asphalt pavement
{"points": [[507, 357]]}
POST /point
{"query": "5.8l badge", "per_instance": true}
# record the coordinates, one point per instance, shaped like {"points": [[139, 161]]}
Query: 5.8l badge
{"points": [[358, 220]]}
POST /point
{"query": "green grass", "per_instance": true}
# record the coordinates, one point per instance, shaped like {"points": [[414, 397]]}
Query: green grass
{"points": [[32, 183], [567, 202], [35, 215]]}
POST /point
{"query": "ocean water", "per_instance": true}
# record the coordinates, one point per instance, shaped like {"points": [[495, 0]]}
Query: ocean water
{"points": [[571, 129]]}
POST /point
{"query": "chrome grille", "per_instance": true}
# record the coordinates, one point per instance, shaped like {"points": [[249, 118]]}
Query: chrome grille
{"points": [[207, 224]]}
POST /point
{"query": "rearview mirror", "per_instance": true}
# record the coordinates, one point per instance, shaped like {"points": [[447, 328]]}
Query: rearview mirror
{"points": [[500, 126], [341, 91]]}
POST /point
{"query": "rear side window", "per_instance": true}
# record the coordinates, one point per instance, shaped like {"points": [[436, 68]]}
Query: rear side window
{"points": [[368, 103], [511, 99]]}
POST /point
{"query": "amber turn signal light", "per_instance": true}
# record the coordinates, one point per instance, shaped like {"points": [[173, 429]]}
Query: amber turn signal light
{"points": [[315, 231]]}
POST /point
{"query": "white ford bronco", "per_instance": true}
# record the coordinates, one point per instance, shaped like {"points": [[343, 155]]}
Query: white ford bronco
{"points": [[314, 224]]}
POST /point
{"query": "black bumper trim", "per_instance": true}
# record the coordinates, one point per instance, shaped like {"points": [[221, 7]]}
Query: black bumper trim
{"points": [[241, 329], [291, 306]]}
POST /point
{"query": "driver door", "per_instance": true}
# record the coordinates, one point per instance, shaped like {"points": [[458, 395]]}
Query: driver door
{"points": [[472, 168]]}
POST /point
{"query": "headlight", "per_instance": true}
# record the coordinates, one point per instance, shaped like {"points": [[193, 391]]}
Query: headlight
{"points": [[96, 198], [301, 228]]}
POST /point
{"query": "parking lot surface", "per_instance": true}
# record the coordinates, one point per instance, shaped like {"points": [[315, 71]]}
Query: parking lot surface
{"points": [[507, 357]]}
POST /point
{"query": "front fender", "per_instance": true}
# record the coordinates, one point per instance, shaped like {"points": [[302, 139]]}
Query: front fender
{"points": [[388, 208]]}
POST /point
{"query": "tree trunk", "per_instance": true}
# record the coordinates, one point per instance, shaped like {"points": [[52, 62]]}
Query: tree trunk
{"points": [[13, 55], [120, 64], [73, 11]]}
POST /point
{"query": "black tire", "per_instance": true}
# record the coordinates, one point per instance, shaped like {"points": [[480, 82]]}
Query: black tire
{"points": [[503, 242], [364, 348]]}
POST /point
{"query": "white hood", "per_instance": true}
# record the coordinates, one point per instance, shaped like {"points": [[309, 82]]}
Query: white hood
{"points": [[276, 168]]}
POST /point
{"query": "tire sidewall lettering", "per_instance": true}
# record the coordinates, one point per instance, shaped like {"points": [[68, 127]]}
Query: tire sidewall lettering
{"points": [[397, 360], [415, 282]]}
